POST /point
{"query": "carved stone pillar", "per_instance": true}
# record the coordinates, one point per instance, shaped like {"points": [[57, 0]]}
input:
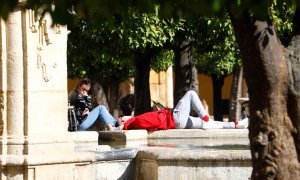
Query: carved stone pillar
{"points": [[3, 88], [34, 141], [15, 85]]}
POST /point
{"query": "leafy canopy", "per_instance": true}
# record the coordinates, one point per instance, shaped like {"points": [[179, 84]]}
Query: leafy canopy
{"points": [[109, 48], [216, 50], [62, 10], [95, 48]]}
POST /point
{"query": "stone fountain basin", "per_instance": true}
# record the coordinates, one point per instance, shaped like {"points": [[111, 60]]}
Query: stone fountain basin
{"points": [[170, 154]]}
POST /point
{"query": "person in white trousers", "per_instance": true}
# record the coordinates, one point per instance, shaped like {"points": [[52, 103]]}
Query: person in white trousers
{"points": [[184, 120]]}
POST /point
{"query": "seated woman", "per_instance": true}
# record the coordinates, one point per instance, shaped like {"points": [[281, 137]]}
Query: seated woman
{"points": [[180, 117], [84, 111]]}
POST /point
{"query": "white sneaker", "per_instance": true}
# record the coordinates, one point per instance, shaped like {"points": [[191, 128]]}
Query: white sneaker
{"points": [[119, 128], [243, 124]]}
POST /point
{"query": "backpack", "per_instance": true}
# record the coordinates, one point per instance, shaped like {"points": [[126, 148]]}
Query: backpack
{"points": [[73, 123], [157, 106]]}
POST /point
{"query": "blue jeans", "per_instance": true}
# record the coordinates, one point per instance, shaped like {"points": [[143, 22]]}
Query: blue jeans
{"points": [[99, 113]]}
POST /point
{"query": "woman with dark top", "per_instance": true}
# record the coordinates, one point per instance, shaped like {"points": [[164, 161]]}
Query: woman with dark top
{"points": [[85, 113]]}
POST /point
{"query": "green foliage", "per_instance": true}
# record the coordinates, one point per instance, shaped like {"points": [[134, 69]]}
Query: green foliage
{"points": [[62, 10], [95, 48], [215, 50], [109, 48], [282, 14], [147, 30], [162, 61], [191, 8], [112, 69]]}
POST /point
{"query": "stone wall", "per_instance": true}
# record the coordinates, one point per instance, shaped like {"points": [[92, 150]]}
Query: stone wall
{"points": [[34, 142]]}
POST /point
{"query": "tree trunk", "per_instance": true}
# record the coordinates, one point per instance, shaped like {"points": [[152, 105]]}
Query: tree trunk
{"points": [[142, 96], [113, 98], [270, 130], [186, 75], [99, 95], [294, 80], [236, 92], [218, 82]]}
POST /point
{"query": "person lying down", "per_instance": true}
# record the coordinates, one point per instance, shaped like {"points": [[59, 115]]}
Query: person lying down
{"points": [[179, 118]]}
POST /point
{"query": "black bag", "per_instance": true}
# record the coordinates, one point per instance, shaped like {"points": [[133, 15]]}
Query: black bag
{"points": [[157, 106], [73, 123]]}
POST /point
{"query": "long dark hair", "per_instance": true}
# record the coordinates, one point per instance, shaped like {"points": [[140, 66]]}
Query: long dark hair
{"points": [[86, 81]]}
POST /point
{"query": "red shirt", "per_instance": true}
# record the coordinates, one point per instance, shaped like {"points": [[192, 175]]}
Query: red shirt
{"points": [[157, 120]]}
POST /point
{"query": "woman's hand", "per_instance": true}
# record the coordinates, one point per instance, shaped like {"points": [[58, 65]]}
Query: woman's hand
{"points": [[84, 93], [85, 112], [124, 118]]}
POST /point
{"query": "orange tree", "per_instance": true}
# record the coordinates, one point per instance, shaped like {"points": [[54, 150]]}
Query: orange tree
{"points": [[217, 55], [112, 50], [95, 51]]}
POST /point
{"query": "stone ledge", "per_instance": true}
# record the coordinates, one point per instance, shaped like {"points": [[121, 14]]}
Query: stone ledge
{"points": [[174, 133], [134, 138], [187, 163], [92, 136], [85, 136], [198, 133], [168, 154], [125, 138], [242, 143], [118, 154], [123, 135], [42, 159], [193, 154]]}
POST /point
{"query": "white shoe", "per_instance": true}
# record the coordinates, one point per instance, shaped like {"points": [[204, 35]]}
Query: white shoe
{"points": [[243, 124], [119, 128]]}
